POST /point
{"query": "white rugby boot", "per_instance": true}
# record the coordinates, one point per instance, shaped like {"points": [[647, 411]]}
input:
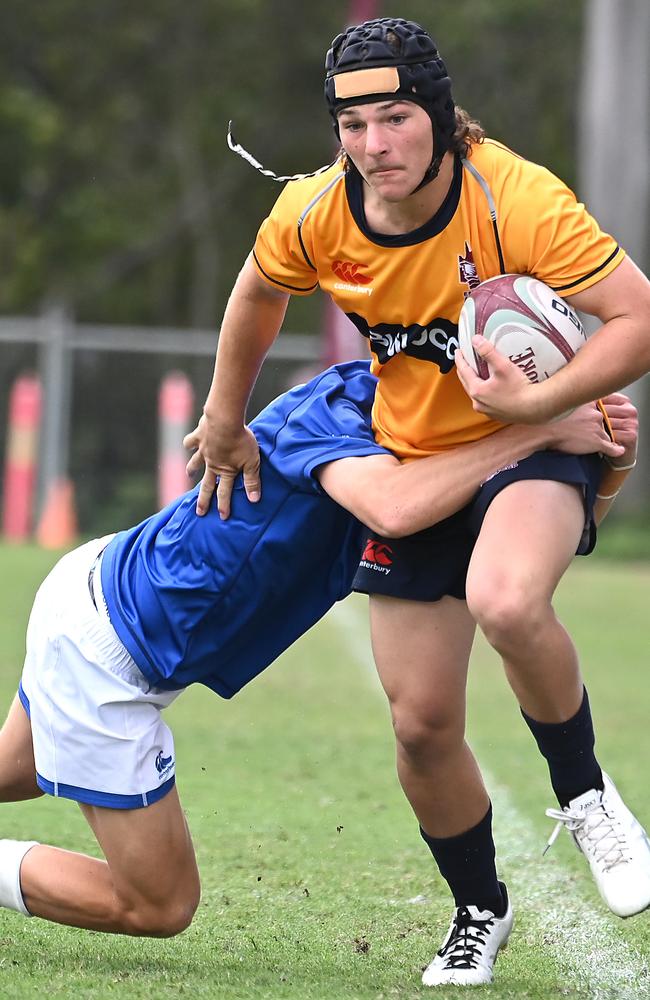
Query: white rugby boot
{"points": [[469, 951], [613, 842]]}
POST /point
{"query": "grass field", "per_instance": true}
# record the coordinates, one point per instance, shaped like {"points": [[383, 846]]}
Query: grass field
{"points": [[315, 883]]}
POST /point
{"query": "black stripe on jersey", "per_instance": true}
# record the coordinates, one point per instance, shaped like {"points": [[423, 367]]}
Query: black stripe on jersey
{"points": [[435, 225], [293, 288], [303, 247], [498, 242], [572, 284]]}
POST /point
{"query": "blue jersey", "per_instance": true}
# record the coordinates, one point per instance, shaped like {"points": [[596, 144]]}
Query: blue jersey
{"points": [[200, 599]]}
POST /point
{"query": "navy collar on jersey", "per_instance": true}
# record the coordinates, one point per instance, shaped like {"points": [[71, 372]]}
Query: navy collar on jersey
{"points": [[435, 225]]}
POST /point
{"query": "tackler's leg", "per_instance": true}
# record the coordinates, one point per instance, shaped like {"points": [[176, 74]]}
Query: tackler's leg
{"points": [[148, 884], [17, 770], [17, 782], [90, 729]]}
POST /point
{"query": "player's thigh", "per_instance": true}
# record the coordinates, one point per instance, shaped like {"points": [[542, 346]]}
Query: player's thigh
{"points": [[17, 769], [421, 650], [149, 852], [528, 538]]}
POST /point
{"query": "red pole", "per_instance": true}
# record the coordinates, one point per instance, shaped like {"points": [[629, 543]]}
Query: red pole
{"points": [[175, 408], [343, 342], [363, 10], [20, 461]]}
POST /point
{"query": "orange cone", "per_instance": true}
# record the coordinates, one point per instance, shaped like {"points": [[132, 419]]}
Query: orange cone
{"points": [[57, 528]]}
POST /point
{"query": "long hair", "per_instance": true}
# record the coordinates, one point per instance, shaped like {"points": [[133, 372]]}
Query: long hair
{"points": [[469, 132]]}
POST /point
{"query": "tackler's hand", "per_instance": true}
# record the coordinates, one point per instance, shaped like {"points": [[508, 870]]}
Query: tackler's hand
{"points": [[624, 421], [506, 395], [583, 432], [224, 455]]}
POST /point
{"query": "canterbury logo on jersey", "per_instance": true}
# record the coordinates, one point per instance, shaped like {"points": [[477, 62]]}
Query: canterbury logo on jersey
{"points": [[436, 342], [350, 272]]}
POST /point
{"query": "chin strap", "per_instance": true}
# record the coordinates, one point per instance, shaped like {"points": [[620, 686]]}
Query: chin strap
{"points": [[431, 173], [245, 155]]}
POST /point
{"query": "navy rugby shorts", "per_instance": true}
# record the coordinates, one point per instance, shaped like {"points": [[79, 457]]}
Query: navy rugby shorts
{"points": [[433, 563]]}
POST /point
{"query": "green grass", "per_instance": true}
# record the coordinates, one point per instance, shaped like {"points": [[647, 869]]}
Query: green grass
{"points": [[309, 855], [626, 537]]}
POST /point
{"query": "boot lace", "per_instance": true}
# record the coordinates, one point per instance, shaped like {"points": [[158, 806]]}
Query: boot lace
{"points": [[598, 832], [466, 940]]}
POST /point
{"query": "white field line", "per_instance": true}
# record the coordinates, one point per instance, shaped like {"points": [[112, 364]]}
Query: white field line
{"points": [[581, 940]]}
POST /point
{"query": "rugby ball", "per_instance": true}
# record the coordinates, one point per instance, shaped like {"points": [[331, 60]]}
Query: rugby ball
{"points": [[525, 320]]}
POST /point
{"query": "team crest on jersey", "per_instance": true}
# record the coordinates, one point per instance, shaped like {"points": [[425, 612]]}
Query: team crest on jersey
{"points": [[436, 342], [467, 272]]}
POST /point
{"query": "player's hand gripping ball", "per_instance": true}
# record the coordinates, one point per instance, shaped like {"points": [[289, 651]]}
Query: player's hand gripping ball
{"points": [[525, 320]]}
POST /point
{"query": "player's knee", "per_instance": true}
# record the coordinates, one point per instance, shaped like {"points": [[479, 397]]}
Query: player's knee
{"points": [[508, 613], [162, 919], [427, 734], [177, 918]]}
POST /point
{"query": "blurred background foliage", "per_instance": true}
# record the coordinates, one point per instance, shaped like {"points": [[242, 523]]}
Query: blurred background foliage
{"points": [[119, 197], [117, 190]]}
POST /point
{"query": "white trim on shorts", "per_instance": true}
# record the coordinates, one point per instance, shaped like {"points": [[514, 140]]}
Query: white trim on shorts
{"points": [[97, 729]]}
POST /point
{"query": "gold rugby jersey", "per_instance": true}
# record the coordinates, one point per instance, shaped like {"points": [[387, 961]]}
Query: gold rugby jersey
{"points": [[404, 293]]}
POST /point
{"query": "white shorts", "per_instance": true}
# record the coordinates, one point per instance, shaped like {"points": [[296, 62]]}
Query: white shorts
{"points": [[98, 734]]}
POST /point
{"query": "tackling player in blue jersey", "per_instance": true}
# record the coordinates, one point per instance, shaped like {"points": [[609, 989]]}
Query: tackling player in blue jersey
{"points": [[122, 624]]}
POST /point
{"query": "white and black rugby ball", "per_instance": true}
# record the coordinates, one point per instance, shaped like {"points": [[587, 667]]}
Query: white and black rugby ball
{"points": [[525, 320]]}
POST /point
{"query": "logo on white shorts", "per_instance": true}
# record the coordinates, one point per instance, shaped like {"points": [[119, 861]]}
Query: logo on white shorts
{"points": [[163, 765]]}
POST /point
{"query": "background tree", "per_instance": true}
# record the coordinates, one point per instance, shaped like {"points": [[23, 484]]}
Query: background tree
{"points": [[118, 194]]}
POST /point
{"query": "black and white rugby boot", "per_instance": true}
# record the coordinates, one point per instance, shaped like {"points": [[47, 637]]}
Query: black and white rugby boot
{"points": [[470, 949]]}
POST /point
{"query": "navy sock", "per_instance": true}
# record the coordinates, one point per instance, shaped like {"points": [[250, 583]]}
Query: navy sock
{"points": [[568, 748], [467, 864]]}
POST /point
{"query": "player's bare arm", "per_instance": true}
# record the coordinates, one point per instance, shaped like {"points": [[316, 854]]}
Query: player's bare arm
{"points": [[223, 443], [616, 355], [396, 498]]}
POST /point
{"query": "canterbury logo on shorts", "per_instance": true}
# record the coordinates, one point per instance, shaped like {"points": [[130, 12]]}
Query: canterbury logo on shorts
{"points": [[377, 553]]}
